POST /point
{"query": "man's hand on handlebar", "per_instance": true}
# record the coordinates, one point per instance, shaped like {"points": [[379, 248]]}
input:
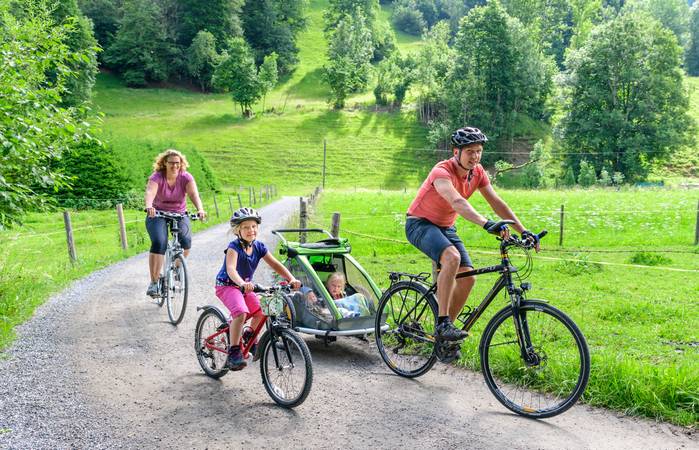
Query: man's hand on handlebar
{"points": [[497, 228], [531, 240]]}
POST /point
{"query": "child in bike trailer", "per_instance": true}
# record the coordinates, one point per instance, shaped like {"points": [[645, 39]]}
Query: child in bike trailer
{"points": [[349, 306], [432, 214], [234, 285]]}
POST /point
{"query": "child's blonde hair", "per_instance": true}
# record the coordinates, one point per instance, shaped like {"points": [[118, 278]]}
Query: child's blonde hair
{"points": [[336, 276]]}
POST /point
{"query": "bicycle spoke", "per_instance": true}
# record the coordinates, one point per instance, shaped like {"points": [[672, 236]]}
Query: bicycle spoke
{"points": [[407, 345]]}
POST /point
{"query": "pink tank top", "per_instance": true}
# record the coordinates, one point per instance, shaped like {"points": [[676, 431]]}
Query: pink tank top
{"points": [[171, 198]]}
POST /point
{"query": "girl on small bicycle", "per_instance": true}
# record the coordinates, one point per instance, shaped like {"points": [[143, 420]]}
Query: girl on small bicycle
{"points": [[234, 285]]}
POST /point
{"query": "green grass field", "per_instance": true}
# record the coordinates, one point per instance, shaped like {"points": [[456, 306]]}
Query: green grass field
{"points": [[628, 274], [34, 261]]}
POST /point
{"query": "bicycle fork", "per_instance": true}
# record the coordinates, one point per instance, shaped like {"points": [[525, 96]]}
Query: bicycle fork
{"points": [[273, 341], [529, 356]]}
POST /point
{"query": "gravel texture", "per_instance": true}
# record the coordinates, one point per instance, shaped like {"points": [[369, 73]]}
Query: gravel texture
{"points": [[99, 366]]}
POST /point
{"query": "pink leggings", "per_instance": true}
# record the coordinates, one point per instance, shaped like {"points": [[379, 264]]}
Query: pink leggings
{"points": [[237, 302]]}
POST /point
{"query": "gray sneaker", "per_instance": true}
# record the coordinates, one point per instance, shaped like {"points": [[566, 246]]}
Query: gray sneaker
{"points": [[153, 290]]}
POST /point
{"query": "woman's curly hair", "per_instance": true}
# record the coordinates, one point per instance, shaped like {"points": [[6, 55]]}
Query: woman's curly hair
{"points": [[160, 161]]}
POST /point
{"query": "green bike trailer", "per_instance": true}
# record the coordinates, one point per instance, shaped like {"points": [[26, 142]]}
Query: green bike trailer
{"points": [[312, 262]]}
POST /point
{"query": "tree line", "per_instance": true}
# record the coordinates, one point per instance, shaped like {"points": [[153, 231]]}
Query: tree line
{"points": [[607, 76], [148, 41]]}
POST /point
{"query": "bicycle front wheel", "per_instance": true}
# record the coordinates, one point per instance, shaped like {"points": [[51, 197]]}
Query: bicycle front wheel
{"points": [[404, 331], [557, 366], [177, 287], [286, 367], [211, 342]]}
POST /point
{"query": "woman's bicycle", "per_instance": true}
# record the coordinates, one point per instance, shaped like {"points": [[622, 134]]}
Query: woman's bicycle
{"points": [[285, 361], [173, 284], [534, 358]]}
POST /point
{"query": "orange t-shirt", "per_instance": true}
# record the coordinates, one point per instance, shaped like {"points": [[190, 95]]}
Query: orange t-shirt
{"points": [[428, 204]]}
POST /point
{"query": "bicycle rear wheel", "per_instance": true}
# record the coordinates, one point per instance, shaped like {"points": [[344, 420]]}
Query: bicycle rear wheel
{"points": [[177, 288], [211, 351], [286, 367], [405, 324], [557, 371]]}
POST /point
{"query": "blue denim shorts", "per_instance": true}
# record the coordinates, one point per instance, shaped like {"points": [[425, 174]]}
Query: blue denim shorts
{"points": [[432, 240]]}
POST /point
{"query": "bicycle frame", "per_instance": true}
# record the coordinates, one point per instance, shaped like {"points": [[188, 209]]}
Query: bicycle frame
{"points": [[272, 325], [504, 281]]}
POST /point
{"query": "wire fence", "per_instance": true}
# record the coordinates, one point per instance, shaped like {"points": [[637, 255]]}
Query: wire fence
{"points": [[80, 223]]}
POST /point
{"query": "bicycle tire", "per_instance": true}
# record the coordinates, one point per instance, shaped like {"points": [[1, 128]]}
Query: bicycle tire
{"points": [[178, 288], [559, 377], [212, 362], [407, 346], [287, 385]]}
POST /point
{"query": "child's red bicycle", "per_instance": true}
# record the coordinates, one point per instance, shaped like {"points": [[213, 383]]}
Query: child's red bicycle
{"points": [[285, 361]]}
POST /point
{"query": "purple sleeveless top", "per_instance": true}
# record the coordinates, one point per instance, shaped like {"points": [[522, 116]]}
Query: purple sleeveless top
{"points": [[172, 199]]}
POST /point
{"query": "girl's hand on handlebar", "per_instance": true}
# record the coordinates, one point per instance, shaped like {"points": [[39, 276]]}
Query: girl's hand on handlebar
{"points": [[202, 214], [295, 284], [248, 287]]}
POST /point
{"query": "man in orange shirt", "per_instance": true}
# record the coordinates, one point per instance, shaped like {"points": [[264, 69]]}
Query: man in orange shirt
{"points": [[431, 218]]}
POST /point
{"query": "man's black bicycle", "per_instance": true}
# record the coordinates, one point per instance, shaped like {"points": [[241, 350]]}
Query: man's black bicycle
{"points": [[534, 358], [173, 284]]}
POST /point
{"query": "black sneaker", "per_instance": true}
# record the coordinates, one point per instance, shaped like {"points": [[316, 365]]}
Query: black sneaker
{"points": [[235, 359], [448, 332], [449, 352]]}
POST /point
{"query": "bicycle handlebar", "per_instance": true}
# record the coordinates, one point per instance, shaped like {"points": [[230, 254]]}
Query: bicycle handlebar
{"points": [[173, 215], [261, 289], [515, 240]]}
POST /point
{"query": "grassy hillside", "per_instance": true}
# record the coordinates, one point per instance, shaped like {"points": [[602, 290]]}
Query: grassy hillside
{"points": [[283, 146], [383, 148], [626, 274]]}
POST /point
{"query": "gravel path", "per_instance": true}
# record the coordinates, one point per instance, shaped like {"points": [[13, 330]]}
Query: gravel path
{"points": [[99, 366]]}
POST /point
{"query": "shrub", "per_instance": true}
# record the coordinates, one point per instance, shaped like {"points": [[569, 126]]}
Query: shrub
{"points": [[649, 259], [587, 176]]}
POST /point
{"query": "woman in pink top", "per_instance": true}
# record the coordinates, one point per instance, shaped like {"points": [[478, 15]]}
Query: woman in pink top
{"points": [[166, 190], [432, 214]]}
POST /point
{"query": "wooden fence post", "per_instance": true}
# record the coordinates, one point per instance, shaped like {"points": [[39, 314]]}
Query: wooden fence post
{"points": [[69, 237], [230, 204], [335, 227], [696, 230], [240, 202], [560, 236], [250, 195], [303, 218], [215, 205], [254, 197], [122, 226]]}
